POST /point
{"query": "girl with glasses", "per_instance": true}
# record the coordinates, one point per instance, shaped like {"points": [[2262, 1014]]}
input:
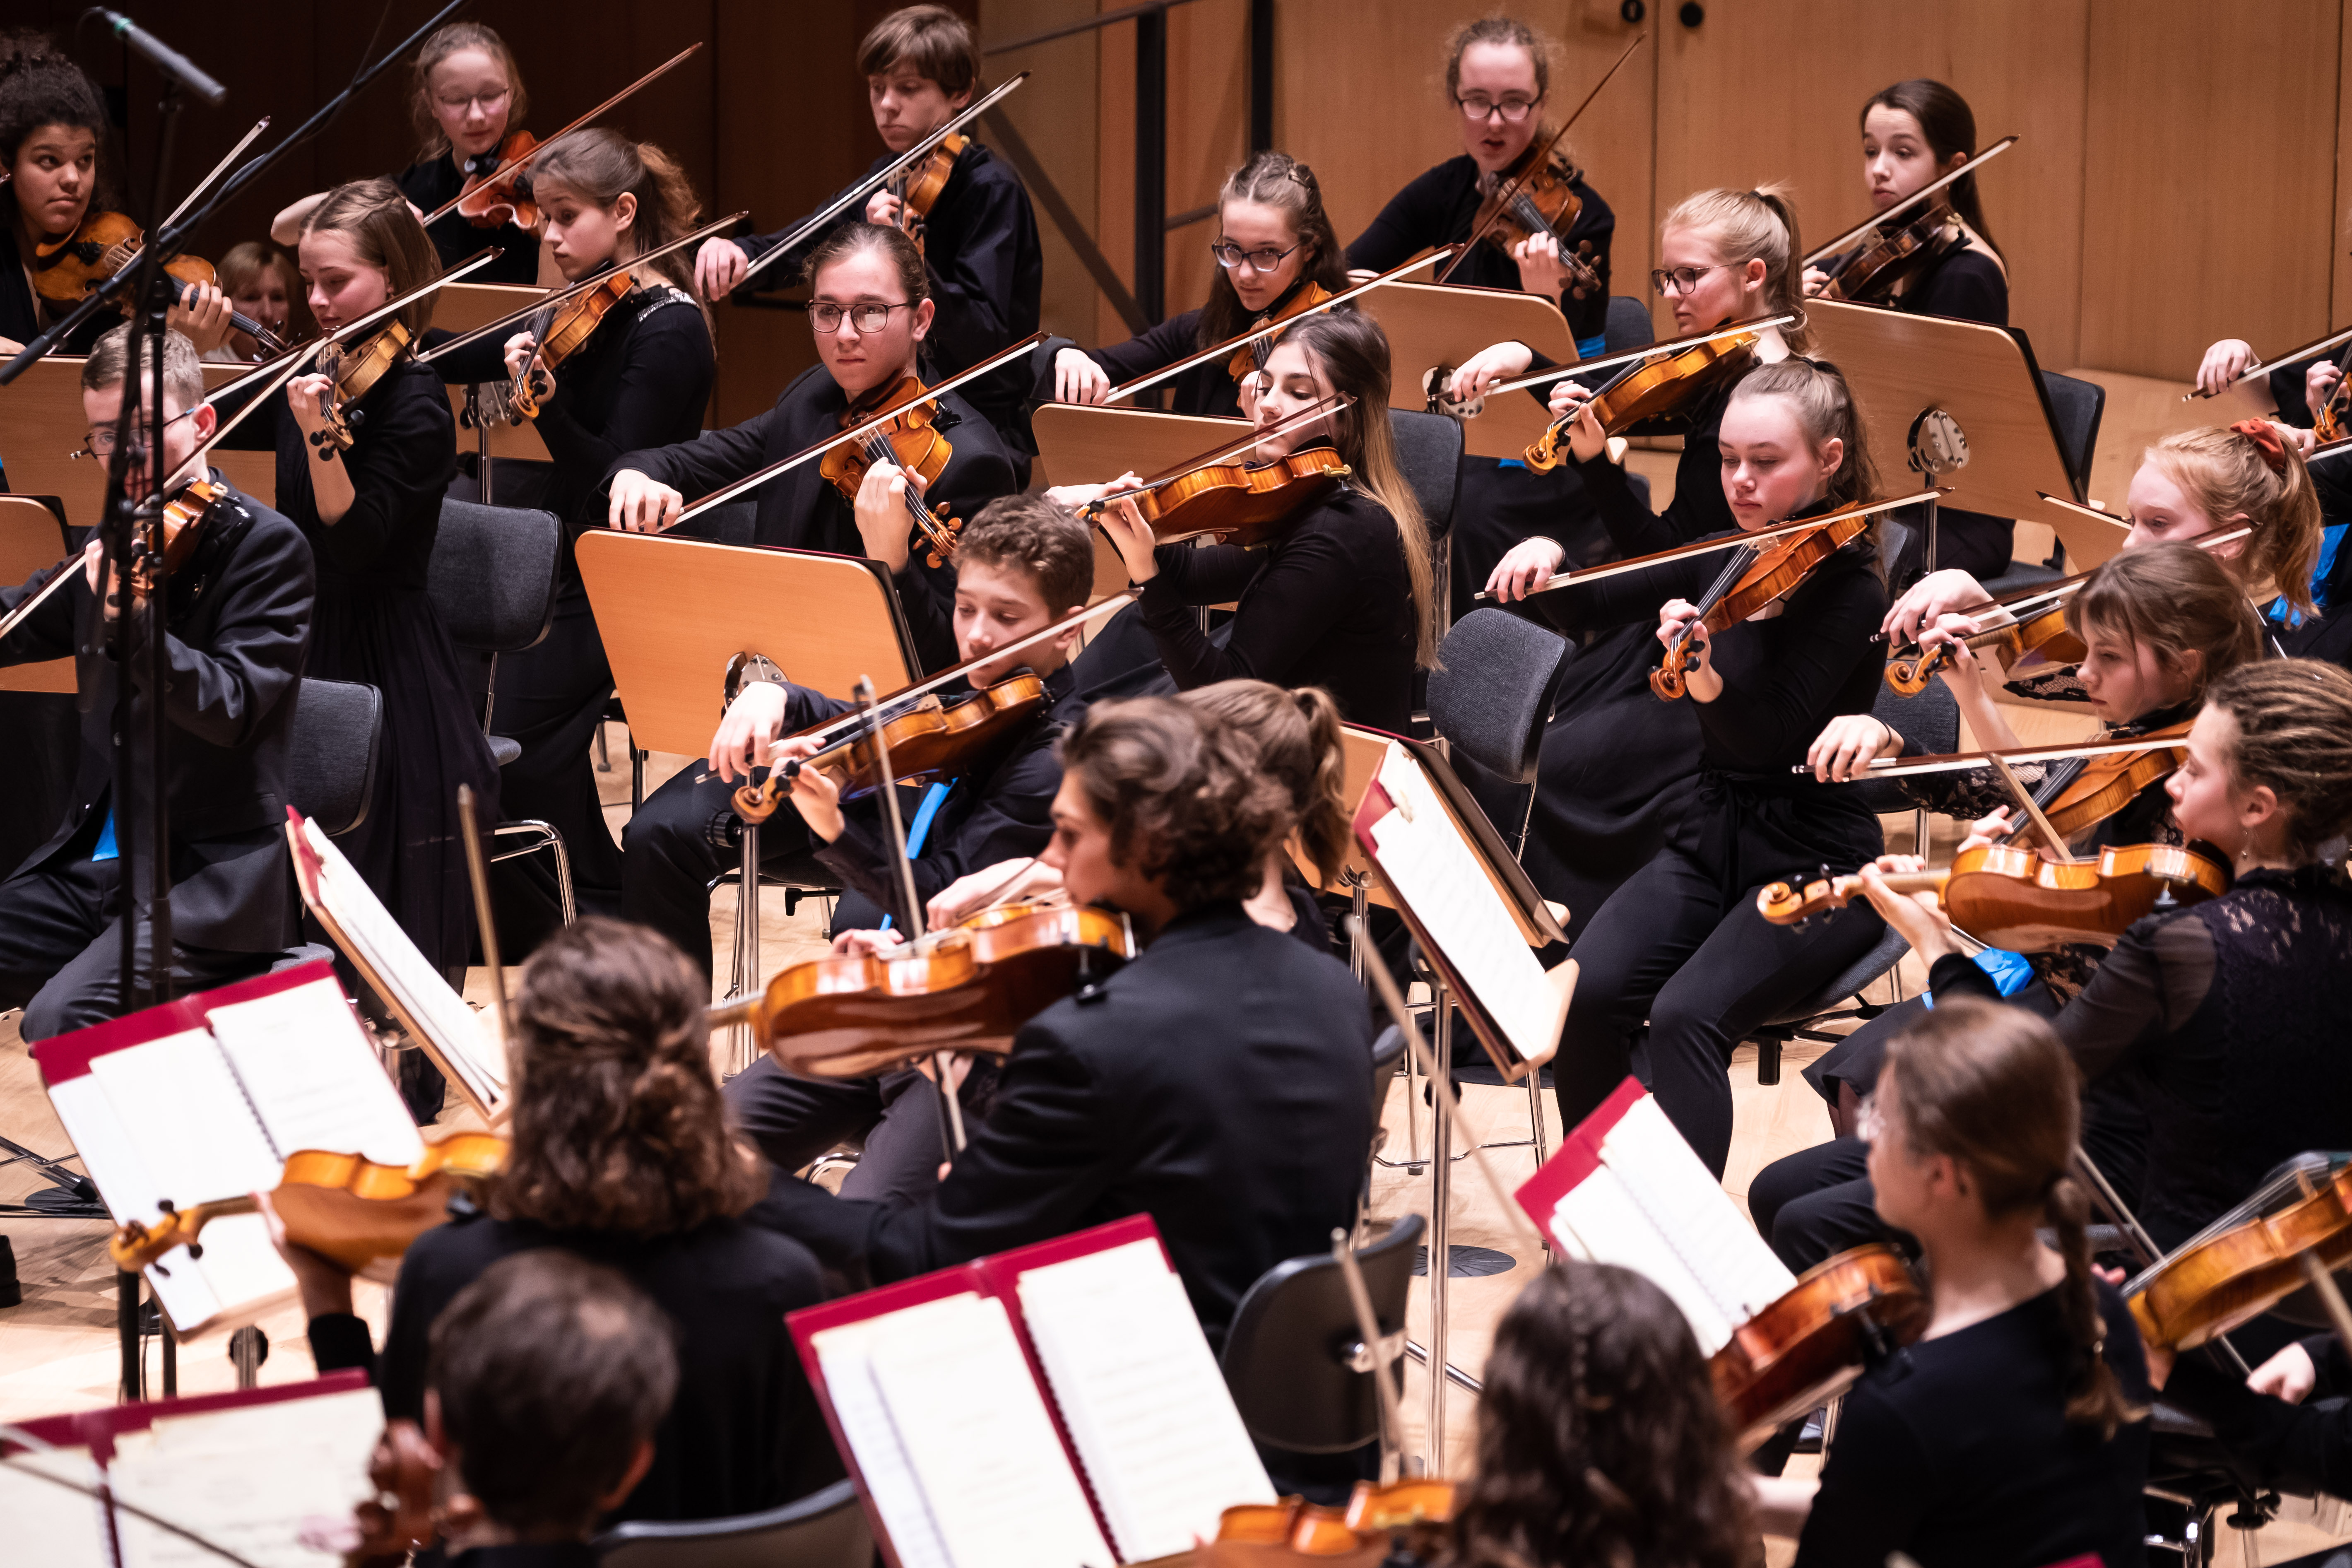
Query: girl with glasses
{"points": [[464, 96], [1276, 254]]}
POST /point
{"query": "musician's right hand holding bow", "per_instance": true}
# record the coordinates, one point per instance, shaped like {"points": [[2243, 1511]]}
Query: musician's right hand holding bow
{"points": [[1526, 567], [642, 504], [745, 737], [2226, 361]]}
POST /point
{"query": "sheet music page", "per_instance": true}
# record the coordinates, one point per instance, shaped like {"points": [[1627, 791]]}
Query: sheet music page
{"points": [[1692, 1213], [188, 1115], [1423, 853], [250, 1478], [846, 1355], [470, 1046], [979, 1438], [48, 1525], [310, 1072], [1597, 1220], [1145, 1400]]}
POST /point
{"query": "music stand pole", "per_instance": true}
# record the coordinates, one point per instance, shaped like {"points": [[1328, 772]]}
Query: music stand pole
{"points": [[1441, 1196]]}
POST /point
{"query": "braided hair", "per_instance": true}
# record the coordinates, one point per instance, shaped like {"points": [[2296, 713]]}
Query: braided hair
{"points": [[2294, 738]]}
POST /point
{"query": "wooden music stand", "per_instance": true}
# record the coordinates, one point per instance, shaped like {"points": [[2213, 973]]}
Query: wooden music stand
{"points": [[1902, 368], [1431, 325], [1081, 444], [672, 613], [30, 540], [41, 411], [460, 307]]}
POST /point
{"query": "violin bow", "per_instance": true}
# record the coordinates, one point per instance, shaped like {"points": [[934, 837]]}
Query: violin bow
{"points": [[478, 872], [1558, 137], [1953, 761], [1225, 350], [2261, 367], [558, 296], [1288, 422], [219, 169], [1914, 199], [752, 481], [513, 164], [2034, 596], [874, 181], [1727, 542], [1671, 346]]}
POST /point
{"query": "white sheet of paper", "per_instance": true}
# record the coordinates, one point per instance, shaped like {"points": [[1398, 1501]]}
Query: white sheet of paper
{"points": [[1694, 1213], [130, 1190], [1143, 1396], [249, 1479], [309, 1070], [980, 1441], [1424, 854], [46, 1524], [845, 1354], [185, 1110]]}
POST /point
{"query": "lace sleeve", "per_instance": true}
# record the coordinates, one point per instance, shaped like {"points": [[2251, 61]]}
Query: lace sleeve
{"points": [[1971, 793]]}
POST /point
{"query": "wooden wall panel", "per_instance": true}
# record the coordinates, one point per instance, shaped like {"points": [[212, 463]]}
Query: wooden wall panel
{"points": [[2210, 206], [1208, 131], [1058, 114]]}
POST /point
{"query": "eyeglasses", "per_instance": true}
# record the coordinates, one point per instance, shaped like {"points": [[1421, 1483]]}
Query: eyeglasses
{"points": [[1478, 106], [1265, 259], [826, 316], [1680, 279], [99, 442], [488, 101]]}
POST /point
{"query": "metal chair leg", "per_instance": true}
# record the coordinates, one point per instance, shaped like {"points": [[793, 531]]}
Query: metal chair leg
{"points": [[547, 837]]}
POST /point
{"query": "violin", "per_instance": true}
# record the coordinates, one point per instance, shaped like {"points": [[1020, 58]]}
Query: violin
{"points": [[1535, 195], [2298, 1227], [1361, 1535], [568, 327], [65, 269], [2083, 792], [926, 740], [918, 186], [502, 196], [1241, 502], [2329, 424], [1753, 578], [2045, 634], [968, 988], [1810, 1346], [179, 527], [1649, 389], [1895, 253], [2008, 896], [1251, 357], [911, 440], [353, 369], [352, 1209]]}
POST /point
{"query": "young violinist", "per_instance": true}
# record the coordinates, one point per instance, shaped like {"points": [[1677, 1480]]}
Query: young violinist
{"points": [[1913, 135], [2012, 1433], [53, 139], [239, 613], [465, 95], [619, 1153], [1680, 943], [1276, 255], [980, 245], [370, 514], [1341, 597], [2161, 624], [263, 285], [870, 310]]}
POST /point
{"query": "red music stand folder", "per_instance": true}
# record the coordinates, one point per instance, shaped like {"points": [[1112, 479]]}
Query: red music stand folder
{"points": [[1033, 1406]]}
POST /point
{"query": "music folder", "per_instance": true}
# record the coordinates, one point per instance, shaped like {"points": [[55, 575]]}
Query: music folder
{"points": [[1051, 1406], [1468, 904]]}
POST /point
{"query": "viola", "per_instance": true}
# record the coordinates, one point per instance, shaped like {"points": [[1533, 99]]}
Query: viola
{"points": [[918, 186], [2298, 1227], [969, 988], [345, 1207], [2089, 789], [1537, 194], [926, 740], [1895, 253], [1810, 1346], [2008, 896], [1753, 578], [1361, 1535], [353, 370], [1251, 357], [912, 440], [65, 269], [1649, 389]]}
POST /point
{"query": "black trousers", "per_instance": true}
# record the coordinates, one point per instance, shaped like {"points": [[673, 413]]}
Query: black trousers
{"points": [[61, 949], [549, 699], [1672, 946], [896, 1116], [1817, 1203], [685, 834]]}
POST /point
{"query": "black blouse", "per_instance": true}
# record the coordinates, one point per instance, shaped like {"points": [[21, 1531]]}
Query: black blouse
{"points": [[1440, 206], [22, 316], [455, 238], [403, 450]]}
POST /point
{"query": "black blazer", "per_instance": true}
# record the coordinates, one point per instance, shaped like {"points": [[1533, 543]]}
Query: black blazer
{"points": [[239, 623], [802, 511], [1217, 1083]]}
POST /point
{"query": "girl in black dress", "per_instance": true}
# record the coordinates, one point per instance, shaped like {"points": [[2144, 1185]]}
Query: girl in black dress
{"points": [[1339, 597], [370, 514], [1681, 943], [1915, 134], [2011, 1433], [465, 97], [1273, 244]]}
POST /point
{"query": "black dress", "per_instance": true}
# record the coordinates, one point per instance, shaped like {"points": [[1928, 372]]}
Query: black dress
{"points": [[455, 238], [24, 314], [1957, 1451], [1208, 390], [377, 626]]}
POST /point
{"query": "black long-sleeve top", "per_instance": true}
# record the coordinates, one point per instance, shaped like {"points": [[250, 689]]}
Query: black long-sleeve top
{"points": [[403, 450], [1957, 1451], [2303, 1447], [1440, 206], [1327, 602], [1966, 284], [803, 511], [455, 238], [1206, 391], [23, 314], [2227, 1015], [987, 271]]}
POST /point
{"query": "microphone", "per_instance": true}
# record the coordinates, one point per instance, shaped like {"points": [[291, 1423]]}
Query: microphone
{"points": [[163, 57]]}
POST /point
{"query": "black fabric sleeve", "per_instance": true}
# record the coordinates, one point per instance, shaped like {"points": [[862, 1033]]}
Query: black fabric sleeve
{"points": [[1769, 716], [484, 359], [1294, 599], [972, 280], [2299, 1448], [784, 270], [47, 632], [222, 692], [1156, 348], [1967, 287], [1875, 1488], [1013, 819], [339, 1340], [695, 468], [2157, 975], [1958, 975], [1410, 223], [1630, 597], [398, 472], [665, 364]]}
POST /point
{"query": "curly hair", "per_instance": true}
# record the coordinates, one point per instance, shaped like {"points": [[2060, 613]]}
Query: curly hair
{"points": [[1182, 793], [1297, 735], [2295, 736], [1041, 537], [618, 1125], [39, 85], [1599, 1439]]}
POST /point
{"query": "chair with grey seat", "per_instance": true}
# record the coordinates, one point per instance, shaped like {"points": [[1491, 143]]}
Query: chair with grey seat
{"points": [[1429, 450], [1628, 326], [492, 580], [1490, 699], [331, 757], [826, 1528]]}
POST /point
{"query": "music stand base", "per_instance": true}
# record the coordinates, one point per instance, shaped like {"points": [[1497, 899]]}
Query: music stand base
{"points": [[1466, 1262]]}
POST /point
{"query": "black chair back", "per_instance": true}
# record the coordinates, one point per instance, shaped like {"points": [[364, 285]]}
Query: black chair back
{"points": [[331, 750], [1388, 1050], [2078, 406], [492, 576], [1628, 326], [1493, 691], [826, 1528], [1429, 450], [1286, 1357]]}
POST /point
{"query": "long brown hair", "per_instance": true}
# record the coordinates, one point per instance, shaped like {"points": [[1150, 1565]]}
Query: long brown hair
{"points": [[2177, 601], [2295, 735], [1601, 1442], [618, 1125], [1759, 225], [1276, 180], [456, 37], [602, 166], [1296, 734], [2226, 474], [1949, 126], [1990, 1088], [384, 231]]}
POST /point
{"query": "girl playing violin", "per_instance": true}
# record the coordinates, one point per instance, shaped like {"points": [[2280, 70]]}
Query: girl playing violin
{"points": [[263, 285], [52, 141], [465, 97], [1915, 134], [370, 514], [1276, 254], [1341, 599], [1681, 943], [2011, 1433]]}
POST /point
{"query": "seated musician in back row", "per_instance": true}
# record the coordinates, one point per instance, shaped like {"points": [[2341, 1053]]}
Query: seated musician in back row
{"points": [[870, 310]]}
